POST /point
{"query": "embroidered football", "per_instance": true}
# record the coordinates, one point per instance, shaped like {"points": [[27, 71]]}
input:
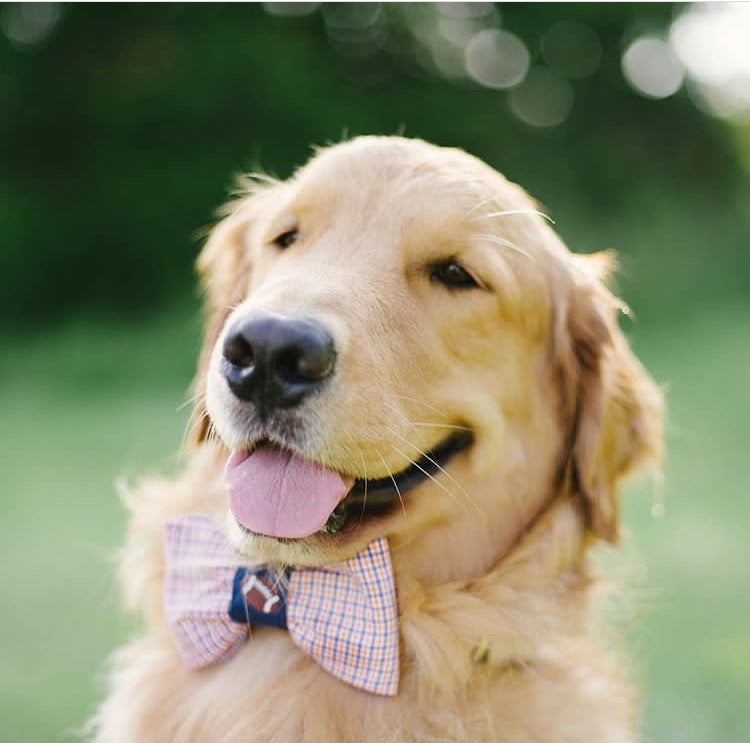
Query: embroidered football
{"points": [[261, 594]]}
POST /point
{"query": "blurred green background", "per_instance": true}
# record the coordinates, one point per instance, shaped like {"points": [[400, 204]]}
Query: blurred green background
{"points": [[121, 126]]}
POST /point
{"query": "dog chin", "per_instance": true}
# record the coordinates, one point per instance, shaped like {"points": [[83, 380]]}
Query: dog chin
{"points": [[317, 549]]}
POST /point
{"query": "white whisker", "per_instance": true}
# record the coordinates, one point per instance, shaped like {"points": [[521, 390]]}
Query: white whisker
{"points": [[212, 434], [395, 484], [442, 469], [481, 204], [364, 497], [513, 212], [506, 244], [190, 400], [197, 414], [424, 424], [437, 482], [421, 402], [439, 425], [396, 410]]}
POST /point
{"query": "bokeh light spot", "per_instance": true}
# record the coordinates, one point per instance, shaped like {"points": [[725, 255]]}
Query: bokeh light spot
{"points": [[449, 60], [730, 100], [26, 24], [712, 40], [459, 24], [467, 10], [543, 99], [356, 30], [652, 68], [496, 59], [351, 16], [290, 10]]}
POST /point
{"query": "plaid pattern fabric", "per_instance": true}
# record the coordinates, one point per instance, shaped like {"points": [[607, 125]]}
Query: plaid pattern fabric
{"points": [[197, 588], [343, 615]]}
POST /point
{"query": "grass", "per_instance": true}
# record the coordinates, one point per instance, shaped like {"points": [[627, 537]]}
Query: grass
{"points": [[90, 402], [692, 637], [79, 408]]}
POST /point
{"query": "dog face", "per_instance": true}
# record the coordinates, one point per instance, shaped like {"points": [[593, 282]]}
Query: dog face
{"points": [[399, 345]]}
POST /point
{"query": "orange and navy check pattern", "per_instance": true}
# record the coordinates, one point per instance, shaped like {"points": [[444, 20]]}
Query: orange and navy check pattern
{"points": [[343, 615], [197, 589]]}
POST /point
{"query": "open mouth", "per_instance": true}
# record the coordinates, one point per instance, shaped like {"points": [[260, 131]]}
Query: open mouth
{"points": [[276, 493], [373, 497]]}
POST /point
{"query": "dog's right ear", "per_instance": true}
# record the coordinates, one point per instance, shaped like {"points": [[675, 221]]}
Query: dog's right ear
{"points": [[223, 267], [614, 406]]}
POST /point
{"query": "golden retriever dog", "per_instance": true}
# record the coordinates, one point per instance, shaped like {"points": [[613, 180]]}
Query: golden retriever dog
{"points": [[399, 352]]}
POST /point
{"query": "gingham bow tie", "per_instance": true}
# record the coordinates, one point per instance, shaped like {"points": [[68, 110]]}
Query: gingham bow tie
{"points": [[343, 615]]}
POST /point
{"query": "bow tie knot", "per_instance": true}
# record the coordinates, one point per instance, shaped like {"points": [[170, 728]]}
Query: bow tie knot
{"points": [[343, 615]]}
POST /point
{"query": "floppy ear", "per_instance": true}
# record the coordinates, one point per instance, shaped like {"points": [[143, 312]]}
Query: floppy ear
{"points": [[616, 407], [223, 267]]}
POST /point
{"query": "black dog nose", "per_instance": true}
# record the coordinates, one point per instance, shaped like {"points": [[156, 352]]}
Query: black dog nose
{"points": [[276, 361]]}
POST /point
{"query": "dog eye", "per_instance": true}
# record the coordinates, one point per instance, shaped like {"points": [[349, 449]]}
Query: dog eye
{"points": [[285, 239], [453, 275]]}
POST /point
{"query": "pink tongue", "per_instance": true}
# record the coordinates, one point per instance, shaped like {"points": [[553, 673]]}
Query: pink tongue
{"points": [[276, 493]]}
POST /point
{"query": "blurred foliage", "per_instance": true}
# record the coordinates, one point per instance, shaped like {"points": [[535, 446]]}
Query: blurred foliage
{"points": [[122, 126]]}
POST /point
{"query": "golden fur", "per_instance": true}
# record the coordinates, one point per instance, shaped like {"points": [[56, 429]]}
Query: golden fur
{"points": [[498, 637]]}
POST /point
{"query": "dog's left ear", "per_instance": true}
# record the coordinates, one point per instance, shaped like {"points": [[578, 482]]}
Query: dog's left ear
{"points": [[615, 408]]}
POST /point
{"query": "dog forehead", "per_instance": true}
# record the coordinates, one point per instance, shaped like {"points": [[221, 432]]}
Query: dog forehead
{"points": [[412, 201], [395, 180]]}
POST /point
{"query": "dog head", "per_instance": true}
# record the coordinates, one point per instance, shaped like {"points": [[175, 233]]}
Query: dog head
{"points": [[399, 345]]}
